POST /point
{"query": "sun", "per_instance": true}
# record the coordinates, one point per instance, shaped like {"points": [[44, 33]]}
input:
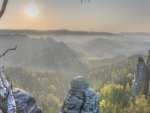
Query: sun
{"points": [[32, 10]]}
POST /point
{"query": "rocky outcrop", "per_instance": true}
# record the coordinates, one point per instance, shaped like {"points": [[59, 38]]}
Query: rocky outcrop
{"points": [[24, 101], [1, 111], [81, 98], [147, 83], [141, 78]]}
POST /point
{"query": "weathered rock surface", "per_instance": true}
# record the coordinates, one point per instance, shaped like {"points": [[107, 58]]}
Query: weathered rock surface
{"points": [[142, 77], [140, 73], [81, 98], [24, 101], [1, 111], [147, 79]]}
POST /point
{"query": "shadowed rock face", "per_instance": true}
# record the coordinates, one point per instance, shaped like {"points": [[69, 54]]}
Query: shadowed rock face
{"points": [[142, 77], [24, 101], [148, 60], [140, 73], [140, 70], [81, 98], [147, 83]]}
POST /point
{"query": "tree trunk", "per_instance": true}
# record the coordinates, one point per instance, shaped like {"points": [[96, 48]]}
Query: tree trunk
{"points": [[3, 8]]}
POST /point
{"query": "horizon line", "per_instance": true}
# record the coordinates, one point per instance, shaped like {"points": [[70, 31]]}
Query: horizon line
{"points": [[38, 30]]}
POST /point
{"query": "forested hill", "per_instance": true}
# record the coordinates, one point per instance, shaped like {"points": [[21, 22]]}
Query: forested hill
{"points": [[42, 55], [115, 71], [113, 82], [55, 32]]}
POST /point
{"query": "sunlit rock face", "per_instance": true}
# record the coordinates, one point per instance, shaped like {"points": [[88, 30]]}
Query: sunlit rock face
{"points": [[81, 98], [24, 101], [142, 77]]}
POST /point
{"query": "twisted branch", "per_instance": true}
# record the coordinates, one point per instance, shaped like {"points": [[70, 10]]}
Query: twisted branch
{"points": [[12, 49], [3, 8]]}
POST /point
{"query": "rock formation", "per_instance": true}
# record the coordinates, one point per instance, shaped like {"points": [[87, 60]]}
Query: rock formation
{"points": [[140, 73], [81, 98], [1, 111], [147, 79], [24, 101], [141, 78]]}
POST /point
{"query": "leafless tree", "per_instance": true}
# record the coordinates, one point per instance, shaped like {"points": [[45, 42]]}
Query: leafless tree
{"points": [[3, 8]]}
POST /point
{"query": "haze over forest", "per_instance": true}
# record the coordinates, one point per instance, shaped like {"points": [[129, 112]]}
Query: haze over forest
{"points": [[105, 41], [69, 51], [46, 61]]}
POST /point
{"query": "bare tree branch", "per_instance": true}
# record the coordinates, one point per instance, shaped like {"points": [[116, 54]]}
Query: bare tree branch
{"points": [[12, 49], [3, 8]]}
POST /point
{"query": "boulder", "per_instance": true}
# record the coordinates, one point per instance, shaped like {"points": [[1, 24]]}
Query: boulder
{"points": [[25, 102]]}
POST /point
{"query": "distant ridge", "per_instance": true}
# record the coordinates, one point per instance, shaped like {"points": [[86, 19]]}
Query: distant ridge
{"points": [[55, 32]]}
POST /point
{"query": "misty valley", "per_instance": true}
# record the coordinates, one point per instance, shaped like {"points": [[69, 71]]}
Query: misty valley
{"points": [[46, 61], [74, 56], [65, 51]]}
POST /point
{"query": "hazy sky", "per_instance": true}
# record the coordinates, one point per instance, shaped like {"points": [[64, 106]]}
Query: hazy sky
{"points": [[98, 15]]}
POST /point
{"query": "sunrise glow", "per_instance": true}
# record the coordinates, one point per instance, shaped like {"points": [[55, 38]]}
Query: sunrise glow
{"points": [[32, 10]]}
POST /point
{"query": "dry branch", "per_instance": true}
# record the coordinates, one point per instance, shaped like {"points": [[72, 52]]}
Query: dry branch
{"points": [[3, 8], [12, 49]]}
